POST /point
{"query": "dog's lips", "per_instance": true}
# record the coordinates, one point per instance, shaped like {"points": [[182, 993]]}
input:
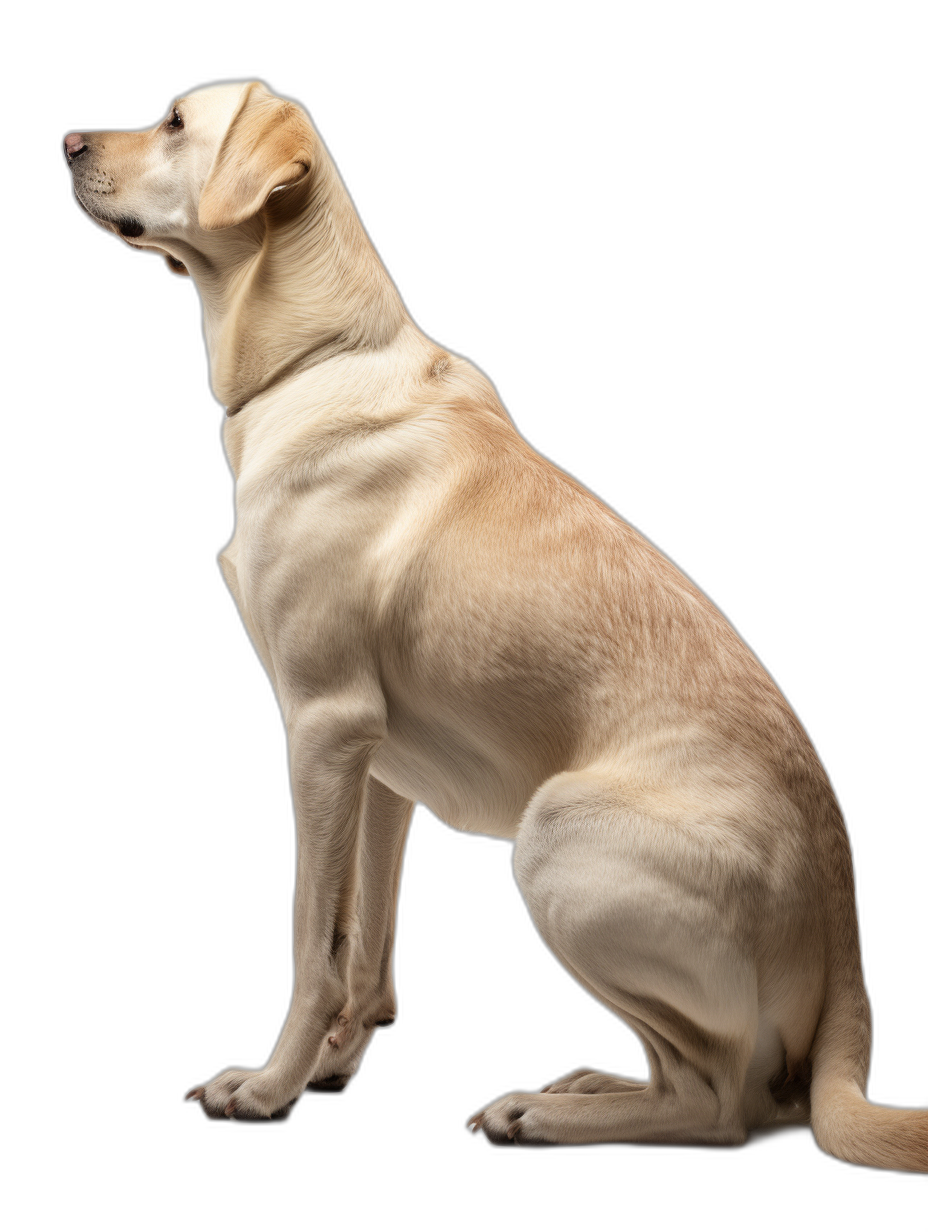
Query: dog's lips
{"points": [[125, 226], [130, 227], [81, 199]]}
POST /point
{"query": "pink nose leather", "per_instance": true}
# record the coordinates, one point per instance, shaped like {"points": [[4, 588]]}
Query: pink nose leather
{"points": [[72, 143]]}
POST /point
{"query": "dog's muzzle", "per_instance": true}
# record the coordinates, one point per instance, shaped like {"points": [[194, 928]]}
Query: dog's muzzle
{"points": [[74, 148]]}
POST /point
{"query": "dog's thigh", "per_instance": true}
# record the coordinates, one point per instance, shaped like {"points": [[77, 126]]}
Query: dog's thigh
{"points": [[656, 930]]}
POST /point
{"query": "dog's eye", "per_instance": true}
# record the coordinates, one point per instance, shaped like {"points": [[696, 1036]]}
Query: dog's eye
{"points": [[175, 120]]}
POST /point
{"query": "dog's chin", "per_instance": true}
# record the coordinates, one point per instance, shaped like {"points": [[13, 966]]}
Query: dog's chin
{"points": [[126, 225]]}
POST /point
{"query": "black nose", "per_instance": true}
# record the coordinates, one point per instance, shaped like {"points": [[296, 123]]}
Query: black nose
{"points": [[74, 146]]}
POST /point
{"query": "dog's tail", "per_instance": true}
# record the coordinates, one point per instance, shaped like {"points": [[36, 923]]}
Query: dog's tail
{"points": [[844, 1122]]}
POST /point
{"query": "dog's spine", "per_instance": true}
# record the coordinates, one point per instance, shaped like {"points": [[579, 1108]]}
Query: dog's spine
{"points": [[844, 1122]]}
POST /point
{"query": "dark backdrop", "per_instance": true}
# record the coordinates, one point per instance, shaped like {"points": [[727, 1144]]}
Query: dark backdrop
{"points": [[690, 291]]}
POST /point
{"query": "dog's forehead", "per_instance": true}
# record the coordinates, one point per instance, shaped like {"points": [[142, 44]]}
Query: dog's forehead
{"points": [[213, 105]]}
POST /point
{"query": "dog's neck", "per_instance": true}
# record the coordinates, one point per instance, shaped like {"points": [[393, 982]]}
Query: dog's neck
{"points": [[308, 251]]}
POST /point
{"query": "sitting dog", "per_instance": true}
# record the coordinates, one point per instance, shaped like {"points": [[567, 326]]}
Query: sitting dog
{"points": [[448, 618]]}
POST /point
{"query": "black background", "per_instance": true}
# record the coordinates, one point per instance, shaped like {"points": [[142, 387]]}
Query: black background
{"points": [[689, 282]]}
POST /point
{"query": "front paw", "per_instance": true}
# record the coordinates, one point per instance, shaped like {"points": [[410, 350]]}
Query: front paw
{"points": [[514, 1118], [244, 1095]]}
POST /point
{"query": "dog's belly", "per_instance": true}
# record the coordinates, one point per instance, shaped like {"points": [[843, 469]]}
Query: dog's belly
{"points": [[456, 781]]}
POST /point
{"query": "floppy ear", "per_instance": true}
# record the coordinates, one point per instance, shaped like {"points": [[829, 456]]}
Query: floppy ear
{"points": [[268, 144]]}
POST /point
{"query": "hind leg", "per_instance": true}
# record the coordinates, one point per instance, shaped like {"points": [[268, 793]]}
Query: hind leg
{"points": [[640, 914]]}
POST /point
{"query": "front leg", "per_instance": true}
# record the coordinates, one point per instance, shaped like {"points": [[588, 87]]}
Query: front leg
{"points": [[368, 945], [331, 741]]}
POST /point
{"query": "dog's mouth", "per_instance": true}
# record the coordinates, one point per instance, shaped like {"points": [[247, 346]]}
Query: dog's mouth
{"points": [[126, 225]]}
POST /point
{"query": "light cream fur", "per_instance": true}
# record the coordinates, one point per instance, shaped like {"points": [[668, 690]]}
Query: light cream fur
{"points": [[448, 618]]}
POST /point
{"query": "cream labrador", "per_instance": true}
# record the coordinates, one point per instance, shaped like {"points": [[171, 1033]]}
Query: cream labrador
{"points": [[448, 618]]}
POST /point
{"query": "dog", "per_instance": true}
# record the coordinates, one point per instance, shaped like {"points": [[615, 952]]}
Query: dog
{"points": [[448, 618]]}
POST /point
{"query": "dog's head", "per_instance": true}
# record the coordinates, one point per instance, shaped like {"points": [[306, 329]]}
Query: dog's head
{"points": [[210, 165]]}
